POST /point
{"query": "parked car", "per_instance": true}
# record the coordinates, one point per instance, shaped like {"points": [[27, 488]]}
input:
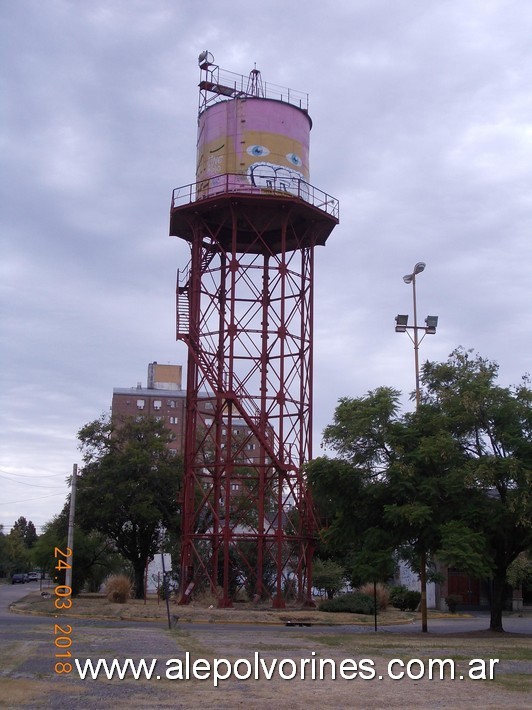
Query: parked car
{"points": [[33, 576], [18, 578]]}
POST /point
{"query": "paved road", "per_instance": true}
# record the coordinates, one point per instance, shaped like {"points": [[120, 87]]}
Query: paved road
{"points": [[10, 593], [479, 621]]}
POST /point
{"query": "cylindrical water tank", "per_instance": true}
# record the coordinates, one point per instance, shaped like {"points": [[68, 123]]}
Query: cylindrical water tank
{"points": [[252, 145]]}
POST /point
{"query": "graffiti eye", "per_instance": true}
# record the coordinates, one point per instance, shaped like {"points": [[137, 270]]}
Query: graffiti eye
{"points": [[257, 150], [294, 159]]}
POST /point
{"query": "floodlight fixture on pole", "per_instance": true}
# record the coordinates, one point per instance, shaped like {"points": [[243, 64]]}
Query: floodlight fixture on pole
{"points": [[401, 324]]}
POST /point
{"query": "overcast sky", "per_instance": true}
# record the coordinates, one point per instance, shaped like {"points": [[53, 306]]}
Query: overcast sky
{"points": [[422, 129]]}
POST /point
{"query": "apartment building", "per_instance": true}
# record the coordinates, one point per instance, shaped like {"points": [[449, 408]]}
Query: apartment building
{"points": [[164, 399]]}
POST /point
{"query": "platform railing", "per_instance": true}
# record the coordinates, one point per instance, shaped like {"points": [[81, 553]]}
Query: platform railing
{"points": [[236, 183]]}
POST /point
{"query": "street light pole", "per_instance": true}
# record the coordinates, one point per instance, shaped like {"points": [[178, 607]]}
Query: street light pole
{"points": [[416, 339], [411, 279], [401, 326]]}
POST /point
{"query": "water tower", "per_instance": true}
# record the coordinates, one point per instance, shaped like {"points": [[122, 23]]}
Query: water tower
{"points": [[245, 311]]}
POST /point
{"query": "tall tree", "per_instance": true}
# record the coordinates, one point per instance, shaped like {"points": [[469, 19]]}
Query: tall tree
{"points": [[27, 530], [453, 479], [128, 487], [94, 554], [397, 478], [493, 426], [17, 555]]}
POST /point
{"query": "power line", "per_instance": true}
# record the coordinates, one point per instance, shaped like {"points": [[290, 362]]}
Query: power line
{"points": [[22, 483], [11, 525], [31, 475], [14, 502]]}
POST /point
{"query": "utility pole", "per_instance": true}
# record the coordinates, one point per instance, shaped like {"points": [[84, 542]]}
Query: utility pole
{"points": [[72, 513]]}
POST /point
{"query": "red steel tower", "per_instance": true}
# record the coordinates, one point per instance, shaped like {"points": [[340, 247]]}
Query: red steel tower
{"points": [[245, 311]]}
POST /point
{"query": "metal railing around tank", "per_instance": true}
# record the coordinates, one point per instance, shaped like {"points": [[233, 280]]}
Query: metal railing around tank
{"points": [[235, 183]]}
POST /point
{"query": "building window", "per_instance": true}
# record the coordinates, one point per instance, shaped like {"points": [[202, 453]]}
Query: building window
{"points": [[172, 420], [157, 404], [140, 404], [171, 403]]}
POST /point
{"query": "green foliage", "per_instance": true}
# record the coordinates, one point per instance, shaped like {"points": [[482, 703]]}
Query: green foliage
{"points": [[353, 603], [493, 426], [452, 479], [464, 549], [27, 530], [328, 576], [452, 601], [127, 489], [389, 493], [93, 560], [520, 571], [373, 562], [404, 599], [361, 428], [16, 554]]}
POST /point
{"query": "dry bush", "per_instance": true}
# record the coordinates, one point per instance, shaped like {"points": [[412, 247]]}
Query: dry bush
{"points": [[383, 594], [206, 598], [118, 588], [241, 595]]}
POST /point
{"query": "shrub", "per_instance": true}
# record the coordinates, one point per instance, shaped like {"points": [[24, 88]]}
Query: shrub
{"points": [[404, 599], [452, 601], [353, 603], [118, 588], [413, 600], [383, 594]]}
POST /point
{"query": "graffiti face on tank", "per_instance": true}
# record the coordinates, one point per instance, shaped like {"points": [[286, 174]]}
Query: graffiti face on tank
{"points": [[273, 162], [252, 145]]}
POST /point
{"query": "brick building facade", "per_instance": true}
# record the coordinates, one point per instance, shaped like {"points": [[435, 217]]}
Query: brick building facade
{"points": [[164, 399]]}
